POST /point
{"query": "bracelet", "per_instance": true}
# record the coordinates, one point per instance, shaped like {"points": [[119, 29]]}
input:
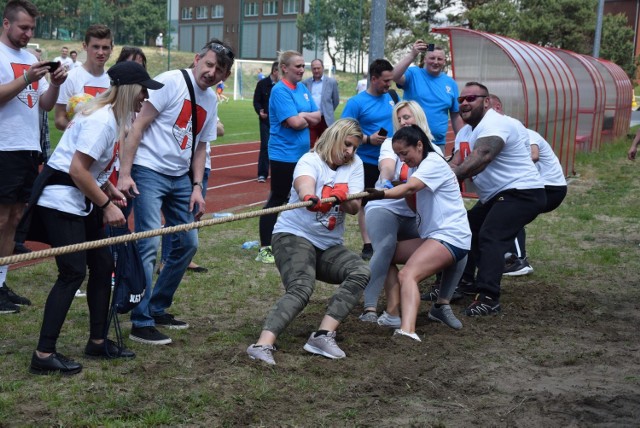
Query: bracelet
{"points": [[102, 207], [105, 186], [368, 139], [26, 78]]}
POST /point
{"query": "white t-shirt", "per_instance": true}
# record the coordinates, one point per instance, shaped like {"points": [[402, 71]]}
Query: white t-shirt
{"points": [[75, 64], [548, 164], [20, 116], [396, 206], [323, 230], [94, 135], [166, 143], [441, 211], [512, 168], [66, 62], [80, 81]]}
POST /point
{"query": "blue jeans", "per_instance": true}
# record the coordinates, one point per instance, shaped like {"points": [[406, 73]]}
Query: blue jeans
{"points": [[166, 239], [171, 195]]}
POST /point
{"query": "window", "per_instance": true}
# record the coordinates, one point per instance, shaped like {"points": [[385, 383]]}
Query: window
{"points": [[201, 12], [290, 7], [187, 13], [251, 9], [270, 8], [217, 11]]}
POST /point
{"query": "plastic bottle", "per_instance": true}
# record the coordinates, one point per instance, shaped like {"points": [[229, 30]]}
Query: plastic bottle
{"points": [[221, 215], [250, 244]]}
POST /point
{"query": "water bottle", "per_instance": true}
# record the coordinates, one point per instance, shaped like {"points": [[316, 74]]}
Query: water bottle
{"points": [[221, 215], [250, 244]]}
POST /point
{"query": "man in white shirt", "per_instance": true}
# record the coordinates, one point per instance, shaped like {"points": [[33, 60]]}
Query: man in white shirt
{"points": [[64, 58], [74, 60], [23, 91], [156, 157], [510, 190]]}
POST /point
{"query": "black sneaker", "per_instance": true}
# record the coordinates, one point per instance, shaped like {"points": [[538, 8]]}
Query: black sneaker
{"points": [[467, 287], [13, 297], [517, 267], [149, 336], [54, 363], [169, 321], [483, 305], [20, 248], [367, 252], [432, 296], [96, 350], [6, 307]]}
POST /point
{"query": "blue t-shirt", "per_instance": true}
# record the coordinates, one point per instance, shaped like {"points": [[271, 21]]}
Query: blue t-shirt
{"points": [[287, 144], [373, 113], [436, 95]]}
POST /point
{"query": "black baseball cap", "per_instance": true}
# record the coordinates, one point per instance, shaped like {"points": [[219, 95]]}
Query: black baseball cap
{"points": [[130, 72]]}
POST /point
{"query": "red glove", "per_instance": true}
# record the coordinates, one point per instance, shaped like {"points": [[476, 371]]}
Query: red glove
{"points": [[339, 194], [317, 206]]}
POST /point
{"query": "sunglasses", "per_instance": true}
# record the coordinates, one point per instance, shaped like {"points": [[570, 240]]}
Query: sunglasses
{"points": [[218, 48], [470, 98]]}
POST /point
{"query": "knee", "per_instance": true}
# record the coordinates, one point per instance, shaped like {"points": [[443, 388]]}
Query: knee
{"points": [[359, 275]]}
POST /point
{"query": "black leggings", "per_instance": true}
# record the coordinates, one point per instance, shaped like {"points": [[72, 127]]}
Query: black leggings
{"points": [[66, 229], [281, 181]]}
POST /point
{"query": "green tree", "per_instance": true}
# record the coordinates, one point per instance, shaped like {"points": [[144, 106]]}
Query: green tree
{"points": [[616, 44], [497, 17]]}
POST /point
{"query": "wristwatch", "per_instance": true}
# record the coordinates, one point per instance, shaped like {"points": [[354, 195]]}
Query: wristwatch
{"points": [[197, 183]]}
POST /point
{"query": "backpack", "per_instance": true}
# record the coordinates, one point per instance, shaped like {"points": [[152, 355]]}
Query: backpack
{"points": [[129, 284]]}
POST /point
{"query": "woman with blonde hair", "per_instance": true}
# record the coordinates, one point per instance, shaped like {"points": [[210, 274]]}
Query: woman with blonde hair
{"points": [[308, 245], [291, 112], [72, 200]]}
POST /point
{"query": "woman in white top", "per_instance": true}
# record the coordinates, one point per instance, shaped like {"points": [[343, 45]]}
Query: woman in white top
{"points": [[73, 199], [445, 237], [308, 244]]}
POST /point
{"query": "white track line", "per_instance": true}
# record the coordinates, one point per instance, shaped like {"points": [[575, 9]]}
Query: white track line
{"points": [[235, 183], [233, 166]]}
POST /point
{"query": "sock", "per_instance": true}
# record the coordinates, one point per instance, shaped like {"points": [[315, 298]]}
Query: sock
{"points": [[321, 333], [367, 247], [3, 274]]}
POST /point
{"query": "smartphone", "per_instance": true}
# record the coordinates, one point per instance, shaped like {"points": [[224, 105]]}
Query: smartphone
{"points": [[431, 47], [53, 66], [383, 132]]}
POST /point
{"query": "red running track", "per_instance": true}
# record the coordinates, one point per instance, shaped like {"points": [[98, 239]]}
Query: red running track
{"points": [[232, 183]]}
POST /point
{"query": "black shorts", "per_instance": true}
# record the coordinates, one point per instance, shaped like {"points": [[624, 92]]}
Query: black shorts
{"points": [[371, 175], [18, 171]]}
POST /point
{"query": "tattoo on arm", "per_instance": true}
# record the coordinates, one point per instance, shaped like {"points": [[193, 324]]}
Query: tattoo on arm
{"points": [[484, 151]]}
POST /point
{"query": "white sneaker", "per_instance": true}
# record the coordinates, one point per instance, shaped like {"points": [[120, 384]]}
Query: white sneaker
{"points": [[324, 345], [400, 332], [386, 320], [80, 293]]}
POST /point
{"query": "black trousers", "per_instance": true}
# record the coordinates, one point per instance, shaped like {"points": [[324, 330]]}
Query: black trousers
{"points": [[263, 157], [281, 181], [66, 229], [494, 225]]}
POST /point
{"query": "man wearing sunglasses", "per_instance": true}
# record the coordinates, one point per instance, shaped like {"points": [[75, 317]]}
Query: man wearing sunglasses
{"points": [[155, 161], [510, 191], [430, 87]]}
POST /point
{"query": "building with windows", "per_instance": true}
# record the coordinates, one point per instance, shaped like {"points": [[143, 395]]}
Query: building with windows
{"points": [[255, 29]]}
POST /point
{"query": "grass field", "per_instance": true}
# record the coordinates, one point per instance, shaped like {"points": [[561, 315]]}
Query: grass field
{"points": [[564, 352]]}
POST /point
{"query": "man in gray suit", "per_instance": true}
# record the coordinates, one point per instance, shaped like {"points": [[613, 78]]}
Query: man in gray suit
{"points": [[324, 91]]}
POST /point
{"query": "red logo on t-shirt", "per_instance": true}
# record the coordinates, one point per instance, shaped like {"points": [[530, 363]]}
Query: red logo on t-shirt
{"points": [[334, 217], [28, 95], [94, 90], [182, 127]]}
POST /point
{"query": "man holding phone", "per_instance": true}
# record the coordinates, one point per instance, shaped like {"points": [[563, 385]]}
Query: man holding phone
{"points": [[373, 109], [430, 87]]}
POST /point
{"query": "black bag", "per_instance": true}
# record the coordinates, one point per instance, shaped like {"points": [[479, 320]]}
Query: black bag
{"points": [[129, 287]]}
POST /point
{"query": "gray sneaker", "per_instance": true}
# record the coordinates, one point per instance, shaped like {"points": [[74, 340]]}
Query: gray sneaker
{"points": [[386, 320], [262, 353], [369, 317], [444, 314], [324, 345]]}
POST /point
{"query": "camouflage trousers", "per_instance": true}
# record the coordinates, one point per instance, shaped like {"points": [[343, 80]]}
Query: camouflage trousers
{"points": [[300, 264]]}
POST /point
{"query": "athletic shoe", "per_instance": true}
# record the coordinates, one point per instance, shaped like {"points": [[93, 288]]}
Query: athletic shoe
{"points": [[262, 179], [432, 295], [6, 307], [80, 293], [369, 316], [95, 350], [149, 336], [169, 321], [13, 297], [53, 364], [517, 267], [399, 333], [467, 287], [367, 252], [324, 345], [20, 248], [265, 255], [483, 305], [386, 320], [444, 314], [262, 353]]}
